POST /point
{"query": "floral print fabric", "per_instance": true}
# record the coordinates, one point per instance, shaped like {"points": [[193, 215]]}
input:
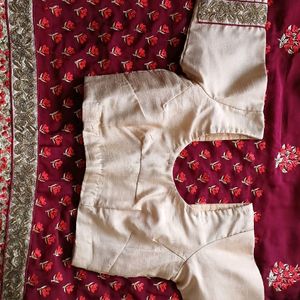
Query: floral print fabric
{"points": [[76, 38]]}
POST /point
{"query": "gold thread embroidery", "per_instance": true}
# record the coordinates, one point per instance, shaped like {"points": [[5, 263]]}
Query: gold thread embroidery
{"points": [[232, 12], [24, 97]]}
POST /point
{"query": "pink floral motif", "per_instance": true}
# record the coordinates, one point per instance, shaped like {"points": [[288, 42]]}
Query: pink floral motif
{"points": [[239, 144], [57, 278], [288, 158], [56, 37], [225, 179], [227, 155], [181, 177], [162, 53], [174, 42], [166, 4], [257, 216], [250, 157], [68, 288], [216, 166], [40, 201], [152, 40], [33, 280], [260, 169], [188, 5], [127, 65], [67, 262], [81, 12], [248, 180], [163, 29], [68, 51], [194, 165], [290, 40], [161, 286], [116, 51], [106, 12], [177, 17], [183, 154], [236, 191], [214, 190], [257, 192], [44, 291], [104, 297], [261, 145], [57, 63], [38, 227], [117, 26], [138, 286], [36, 253], [49, 239], [56, 10], [127, 297], [141, 28], [174, 297], [142, 3], [217, 143], [282, 276], [192, 189], [52, 213], [46, 266], [151, 65], [116, 285], [205, 154], [153, 15], [204, 178], [93, 26], [45, 103], [58, 251], [92, 287], [238, 168], [128, 39], [201, 200], [130, 14], [43, 23]]}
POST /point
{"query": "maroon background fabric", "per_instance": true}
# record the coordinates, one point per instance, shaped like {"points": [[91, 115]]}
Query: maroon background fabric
{"points": [[75, 38]]}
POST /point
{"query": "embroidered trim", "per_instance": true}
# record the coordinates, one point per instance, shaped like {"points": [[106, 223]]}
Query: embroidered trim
{"points": [[232, 12], [23, 82], [5, 132]]}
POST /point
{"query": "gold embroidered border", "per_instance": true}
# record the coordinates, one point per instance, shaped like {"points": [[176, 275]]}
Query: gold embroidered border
{"points": [[24, 97], [5, 131], [232, 12]]}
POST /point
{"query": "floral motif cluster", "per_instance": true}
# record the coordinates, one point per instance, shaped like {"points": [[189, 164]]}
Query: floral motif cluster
{"points": [[282, 276], [288, 158], [290, 40], [5, 128]]}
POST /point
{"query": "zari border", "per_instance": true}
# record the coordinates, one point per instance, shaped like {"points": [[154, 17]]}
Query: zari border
{"points": [[233, 12], [5, 131], [23, 82]]}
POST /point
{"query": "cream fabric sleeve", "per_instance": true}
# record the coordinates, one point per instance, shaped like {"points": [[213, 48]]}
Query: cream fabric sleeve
{"points": [[225, 52], [224, 269]]}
